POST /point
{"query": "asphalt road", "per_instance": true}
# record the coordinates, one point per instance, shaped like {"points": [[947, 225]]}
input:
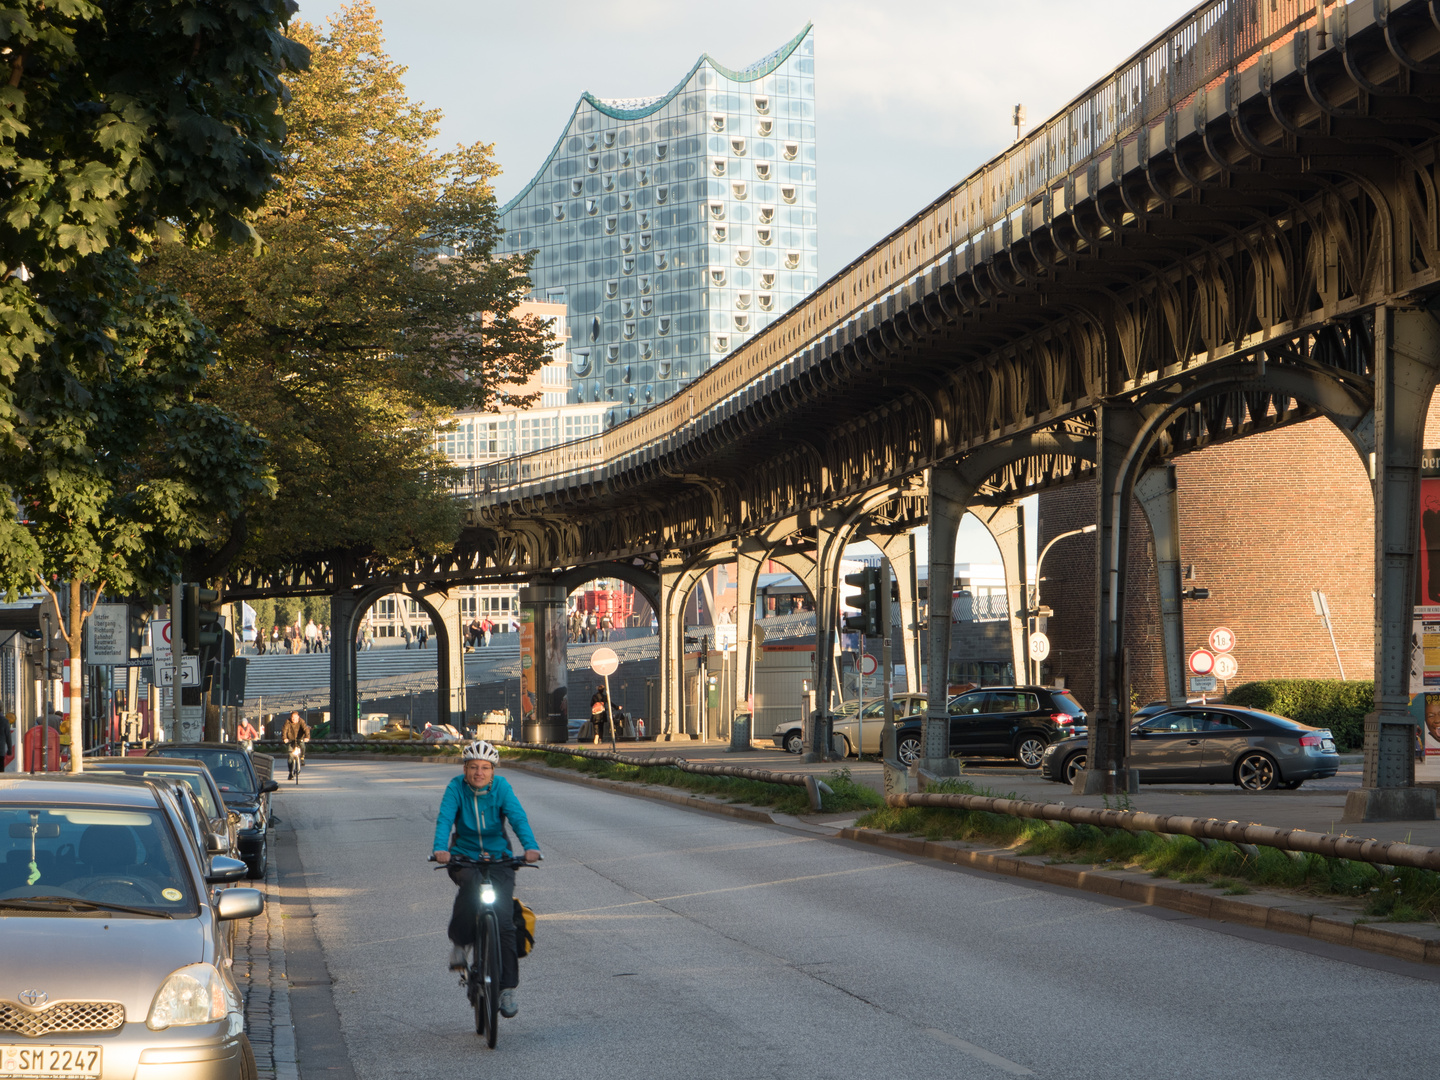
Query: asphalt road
{"points": [[673, 943]]}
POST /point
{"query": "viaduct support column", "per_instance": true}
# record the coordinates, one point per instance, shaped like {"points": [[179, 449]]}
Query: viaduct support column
{"points": [[671, 619], [344, 675], [1159, 497], [749, 558], [1109, 749], [1407, 359], [830, 538], [949, 492], [899, 548], [450, 672], [544, 694]]}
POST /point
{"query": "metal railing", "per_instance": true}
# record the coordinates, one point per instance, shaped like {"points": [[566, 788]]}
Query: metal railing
{"points": [[1195, 53]]}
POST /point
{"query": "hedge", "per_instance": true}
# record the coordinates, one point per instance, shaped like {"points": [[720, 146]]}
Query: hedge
{"points": [[1329, 703]]}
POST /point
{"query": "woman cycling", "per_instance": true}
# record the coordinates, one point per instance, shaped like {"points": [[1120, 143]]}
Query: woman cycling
{"points": [[471, 822]]}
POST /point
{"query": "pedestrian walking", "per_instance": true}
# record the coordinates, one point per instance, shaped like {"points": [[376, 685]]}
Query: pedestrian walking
{"points": [[325, 637], [607, 626], [312, 637], [486, 628], [405, 633], [424, 635]]}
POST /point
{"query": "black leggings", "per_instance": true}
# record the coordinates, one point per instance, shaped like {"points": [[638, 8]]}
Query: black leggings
{"points": [[467, 904]]}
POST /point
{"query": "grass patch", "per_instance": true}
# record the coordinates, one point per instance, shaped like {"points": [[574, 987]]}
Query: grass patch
{"points": [[1394, 894], [848, 795]]}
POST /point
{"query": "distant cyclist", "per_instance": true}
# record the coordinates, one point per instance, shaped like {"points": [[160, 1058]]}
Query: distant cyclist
{"points": [[296, 733], [473, 813], [246, 734]]}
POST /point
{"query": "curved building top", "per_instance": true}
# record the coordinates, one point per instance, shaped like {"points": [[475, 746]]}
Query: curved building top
{"points": [[675, 227]]}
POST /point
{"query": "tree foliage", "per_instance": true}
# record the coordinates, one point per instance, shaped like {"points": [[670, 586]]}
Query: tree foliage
{"points": [[376, 308], [122, 122]]}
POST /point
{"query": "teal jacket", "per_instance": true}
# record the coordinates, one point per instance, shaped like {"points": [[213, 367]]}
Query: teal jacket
{"points": [[477, 819]]}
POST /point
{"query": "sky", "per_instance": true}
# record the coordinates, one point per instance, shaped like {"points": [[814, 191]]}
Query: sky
{"points": [[911, 96]]}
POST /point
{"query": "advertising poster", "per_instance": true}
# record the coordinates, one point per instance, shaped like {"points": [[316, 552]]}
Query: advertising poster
{"points": [[556, 670], [527, 666], [1427, 579]]}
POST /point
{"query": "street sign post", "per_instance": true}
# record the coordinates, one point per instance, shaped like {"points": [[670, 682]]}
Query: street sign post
{"points": [[868, 664], [1202, 662], [604, 662], [109, 638], [189, 673]]}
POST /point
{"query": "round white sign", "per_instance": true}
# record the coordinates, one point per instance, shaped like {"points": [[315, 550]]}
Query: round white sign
{"points": [[868, 664], [1039, 646], [1222, 639], [1202, 662], [1226, 667], [603, 661]]}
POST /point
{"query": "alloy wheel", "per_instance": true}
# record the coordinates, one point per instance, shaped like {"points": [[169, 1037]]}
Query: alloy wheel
{"points": [[1256, 772]]}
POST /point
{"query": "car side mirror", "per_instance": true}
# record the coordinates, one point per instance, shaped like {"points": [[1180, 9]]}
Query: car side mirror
{"points": [[239, 904], [269, 786], [215, 844], [1142, 732], [222, 869]]}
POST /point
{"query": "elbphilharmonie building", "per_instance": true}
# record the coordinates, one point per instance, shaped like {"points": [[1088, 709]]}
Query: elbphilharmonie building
{"points": [[674, 228]]}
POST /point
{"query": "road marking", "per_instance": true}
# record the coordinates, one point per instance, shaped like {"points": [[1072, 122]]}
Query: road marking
{"points": [[979, 1053], [717, 892]]}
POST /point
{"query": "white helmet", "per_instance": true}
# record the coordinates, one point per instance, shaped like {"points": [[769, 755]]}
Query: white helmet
{"points": [[480, 750]]}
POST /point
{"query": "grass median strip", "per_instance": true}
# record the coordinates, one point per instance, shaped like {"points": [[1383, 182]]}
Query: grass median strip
{"points": [[1396, 894], [848, 795]]}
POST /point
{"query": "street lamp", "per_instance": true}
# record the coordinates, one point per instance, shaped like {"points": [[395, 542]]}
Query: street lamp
{"points": [[1034, 610]]}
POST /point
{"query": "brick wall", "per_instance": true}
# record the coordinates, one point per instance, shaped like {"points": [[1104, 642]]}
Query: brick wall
{"points": [[1263, 521]]}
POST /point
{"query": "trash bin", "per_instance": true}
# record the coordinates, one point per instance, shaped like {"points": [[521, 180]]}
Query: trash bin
{"points": [[740, 730]]}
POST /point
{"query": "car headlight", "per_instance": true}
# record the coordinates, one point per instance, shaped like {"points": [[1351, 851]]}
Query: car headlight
{"points": [[191, 995], [247, 821]]}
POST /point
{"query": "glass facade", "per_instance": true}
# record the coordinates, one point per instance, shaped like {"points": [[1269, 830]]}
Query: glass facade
{"points": [[675, 228]]}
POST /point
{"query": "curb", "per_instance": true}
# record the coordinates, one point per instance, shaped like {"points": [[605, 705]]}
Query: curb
{"points": [[1141, 889], [624, 787]]}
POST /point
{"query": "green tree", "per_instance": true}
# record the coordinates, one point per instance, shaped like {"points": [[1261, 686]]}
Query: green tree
{"points": [[122, 122], [376, 308]]}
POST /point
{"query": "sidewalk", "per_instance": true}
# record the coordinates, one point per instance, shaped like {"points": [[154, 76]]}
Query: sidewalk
{"points": [[259, 969], [1316, 807]]}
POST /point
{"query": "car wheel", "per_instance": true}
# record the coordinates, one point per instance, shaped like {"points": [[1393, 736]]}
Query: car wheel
{"points": [[1030, 749], [257, 868], [795, 742], [1073, 766], [907, 749], [1257, 772]]}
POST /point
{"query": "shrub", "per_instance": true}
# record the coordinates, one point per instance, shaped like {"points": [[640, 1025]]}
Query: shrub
{"points": [[1330, 703]]}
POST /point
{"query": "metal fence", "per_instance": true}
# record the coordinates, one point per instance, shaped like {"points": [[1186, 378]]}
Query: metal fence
{"points": [[968, 222]]}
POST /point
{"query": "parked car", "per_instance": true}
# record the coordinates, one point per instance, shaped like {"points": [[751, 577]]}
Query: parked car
{"points": [[116, 955], [242, 789], [1016, 722], [1214, 744], [789, 734], [191, 772]]}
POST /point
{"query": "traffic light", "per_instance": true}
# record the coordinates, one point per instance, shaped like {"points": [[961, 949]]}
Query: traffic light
{"points": [[868, 601], [201, 626]]}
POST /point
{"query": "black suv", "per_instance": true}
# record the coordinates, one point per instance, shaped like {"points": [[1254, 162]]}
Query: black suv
{"points": [[1000, 721], [244, 791]]}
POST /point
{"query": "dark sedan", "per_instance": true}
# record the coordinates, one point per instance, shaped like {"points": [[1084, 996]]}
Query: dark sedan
{"points": [[241, 788], [1213, 744]]}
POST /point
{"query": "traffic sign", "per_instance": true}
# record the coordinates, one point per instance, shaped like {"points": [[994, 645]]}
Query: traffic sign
{"points": [[1202, 684], [189, 672], [1222, 639], [603, 661], [108, 643], [160, 643], [868, 664], [1226, 667], [1039, 646], [1202, 662]]}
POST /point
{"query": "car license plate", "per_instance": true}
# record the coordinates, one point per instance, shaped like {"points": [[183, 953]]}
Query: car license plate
{"points": [[49, 1061], [1327, 745]]}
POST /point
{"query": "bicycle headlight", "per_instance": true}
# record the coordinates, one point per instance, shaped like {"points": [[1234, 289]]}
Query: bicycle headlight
{"points": [[487, 893], [190, 995]]}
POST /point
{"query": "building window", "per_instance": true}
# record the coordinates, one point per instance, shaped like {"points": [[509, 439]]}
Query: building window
{"points": [[717, 122], [722, 343], [718, 278], [609, 137], [717, 166], [762, 105], [625, 201], [608, 183], [661, 149], [742, 256], [610, 224], [792, 260], [642, 177], [764, 235], [767, 301], [737, 146], [644, 241], [646, 305], [787, 194], [592, 163], [762, 170], [559, 211], [742, 300], [717, 211], [624, 158], [737, 189], [764, 128], [612, 290], [718, 234], [661, 194], [767, 279], [791, 150], [627, 244], [662, 325], [742, 323]]}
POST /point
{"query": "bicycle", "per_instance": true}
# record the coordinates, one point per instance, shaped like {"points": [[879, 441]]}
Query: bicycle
{"points": [[481, 977], [297, 758]]}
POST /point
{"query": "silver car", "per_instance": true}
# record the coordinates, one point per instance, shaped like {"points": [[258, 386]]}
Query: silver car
{"points": [[115, 956]]}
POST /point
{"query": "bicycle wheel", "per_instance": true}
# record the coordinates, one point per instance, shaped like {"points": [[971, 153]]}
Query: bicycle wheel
{"points": [[490, 977]]}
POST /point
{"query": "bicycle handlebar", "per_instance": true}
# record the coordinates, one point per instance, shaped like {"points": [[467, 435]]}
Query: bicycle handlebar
{"points": [[456, 859]]}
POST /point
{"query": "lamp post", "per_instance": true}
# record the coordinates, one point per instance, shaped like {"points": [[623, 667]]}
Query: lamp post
{"points": [[1033, 610]]}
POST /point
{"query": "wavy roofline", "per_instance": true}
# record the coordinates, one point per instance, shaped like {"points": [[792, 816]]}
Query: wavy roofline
{"points": [[758, 70]]}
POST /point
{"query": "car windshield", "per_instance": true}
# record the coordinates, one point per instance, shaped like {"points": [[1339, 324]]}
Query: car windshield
{"points": [[64, 859], [193, 780], [230, 768]]}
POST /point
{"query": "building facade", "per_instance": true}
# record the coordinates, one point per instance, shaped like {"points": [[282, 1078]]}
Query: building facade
{"points": [[674, 228]]}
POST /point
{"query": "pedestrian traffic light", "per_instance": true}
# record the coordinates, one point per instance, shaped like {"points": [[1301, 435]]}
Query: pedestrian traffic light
{"points": [[201, 626], [867, 600]]}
